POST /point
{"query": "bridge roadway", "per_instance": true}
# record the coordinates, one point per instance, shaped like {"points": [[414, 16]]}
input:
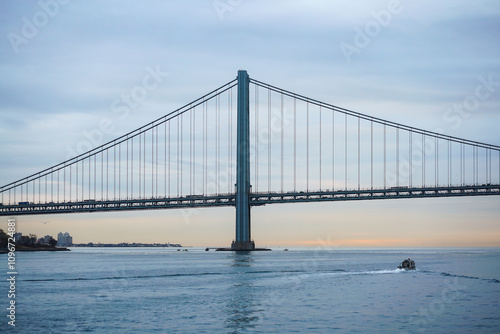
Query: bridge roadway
{"points": [[257, 199]]}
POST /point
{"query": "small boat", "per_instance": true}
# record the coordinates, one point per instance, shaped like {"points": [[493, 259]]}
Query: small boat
{"points": [[407, 264], [286, 249]]}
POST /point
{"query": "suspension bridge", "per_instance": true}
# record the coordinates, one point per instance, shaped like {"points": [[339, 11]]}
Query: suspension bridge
{"points": [[248, 143]]}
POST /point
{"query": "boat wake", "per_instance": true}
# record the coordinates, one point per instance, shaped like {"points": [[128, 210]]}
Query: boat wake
{"points": [[338, 272], [491, 280], [375, 272], [360, 273]]}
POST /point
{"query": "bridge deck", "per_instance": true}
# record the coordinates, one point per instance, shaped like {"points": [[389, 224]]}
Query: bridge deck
{"points": [[255, 199]]}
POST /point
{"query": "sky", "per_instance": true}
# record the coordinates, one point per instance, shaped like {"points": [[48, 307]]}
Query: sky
{"points": [[64, 63]]}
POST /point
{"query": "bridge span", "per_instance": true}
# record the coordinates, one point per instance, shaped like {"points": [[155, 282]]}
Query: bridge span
{"points": [[248, 143]]}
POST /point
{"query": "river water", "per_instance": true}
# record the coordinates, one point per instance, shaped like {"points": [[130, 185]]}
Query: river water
{"points": [[149, 290]]}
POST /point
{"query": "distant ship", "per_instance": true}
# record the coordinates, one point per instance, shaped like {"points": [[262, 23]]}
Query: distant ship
{"points": [[407, 264]]}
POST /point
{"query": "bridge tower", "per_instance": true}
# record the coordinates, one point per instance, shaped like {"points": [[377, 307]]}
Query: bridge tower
{"points": [[243, 241]]}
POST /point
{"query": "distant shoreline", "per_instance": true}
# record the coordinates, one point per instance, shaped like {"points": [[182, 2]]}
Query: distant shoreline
{"points": [[36, 249], [128, 245]]}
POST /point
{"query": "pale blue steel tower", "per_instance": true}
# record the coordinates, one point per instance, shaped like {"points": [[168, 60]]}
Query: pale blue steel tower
{"points": [[243, 239]]}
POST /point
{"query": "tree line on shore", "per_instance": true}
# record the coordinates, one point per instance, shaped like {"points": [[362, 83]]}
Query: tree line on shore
{"points": [[30, 240]]}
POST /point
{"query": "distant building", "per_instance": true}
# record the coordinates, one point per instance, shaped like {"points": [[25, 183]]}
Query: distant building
{"points": [[64, 239], [69, 239]]}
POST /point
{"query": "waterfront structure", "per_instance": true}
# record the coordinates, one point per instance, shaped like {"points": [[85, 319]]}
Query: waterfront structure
{"points": [[302, 150], [64, 239]]}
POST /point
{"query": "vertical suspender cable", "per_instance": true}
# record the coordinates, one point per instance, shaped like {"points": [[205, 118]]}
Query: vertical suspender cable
{"points": [[269, 140], [177, 152], [216, 145], [126, 178], [152, 162], [491, 176], [423, 160], [206, 147], [307, 159], [219, 149], [449, 163], [64, 187], [474, 165], [320, 148], [165, 158], [345, 151], [90, 180], [477, 165], [169, 151], [83, 180], [181, 161], [436, 161], [462, 163], [256, 138], [95, 175], [385, 156], [333, 150], [191, 152], [142, 160], [371, 155], [294, 144], [102, 175], [228, 168], [282, 140], [140, 164], [34, 188], [119, 170], [231, 183], [194, 150], [156, 129], [487, 165], [107, 175], [114, 174], [397, 156], [203, 125], [40, 189], [410, 167], [359, 154]]}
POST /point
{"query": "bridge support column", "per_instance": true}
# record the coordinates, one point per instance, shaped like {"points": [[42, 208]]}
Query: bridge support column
{"points": [[243, 239]]}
